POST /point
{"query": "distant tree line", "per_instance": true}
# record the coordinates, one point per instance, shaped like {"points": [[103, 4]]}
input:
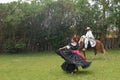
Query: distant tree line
{"points": [[44, 25]]}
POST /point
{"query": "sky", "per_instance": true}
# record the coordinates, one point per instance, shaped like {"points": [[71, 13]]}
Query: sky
{"points": [[7, 1]]}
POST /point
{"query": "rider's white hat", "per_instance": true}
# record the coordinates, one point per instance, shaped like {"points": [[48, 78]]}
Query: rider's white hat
{"points": [[88, 28]]}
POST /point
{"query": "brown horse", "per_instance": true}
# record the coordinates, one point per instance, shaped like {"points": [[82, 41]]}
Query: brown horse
{"points": [[98, 47]]}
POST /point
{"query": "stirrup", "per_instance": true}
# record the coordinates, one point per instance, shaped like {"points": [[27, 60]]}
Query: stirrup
{"points": [[84, 49]]}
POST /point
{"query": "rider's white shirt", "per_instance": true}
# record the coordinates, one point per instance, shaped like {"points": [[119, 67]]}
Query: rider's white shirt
{"points": [[89, 34], [89, 37]]}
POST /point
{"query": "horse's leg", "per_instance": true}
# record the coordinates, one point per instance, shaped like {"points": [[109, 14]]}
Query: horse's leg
{"points": [[103, 50], [84, 54], [104, 53], [95, 51]]}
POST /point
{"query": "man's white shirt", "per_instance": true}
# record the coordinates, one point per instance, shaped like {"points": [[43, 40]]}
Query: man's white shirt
{"points": [[89, 34]]}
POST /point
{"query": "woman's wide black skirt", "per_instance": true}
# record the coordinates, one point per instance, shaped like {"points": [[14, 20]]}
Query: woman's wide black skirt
{"points": [[72, 60]]}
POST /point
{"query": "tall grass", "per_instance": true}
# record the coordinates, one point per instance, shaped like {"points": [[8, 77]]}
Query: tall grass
{"points": [[46, 66]]}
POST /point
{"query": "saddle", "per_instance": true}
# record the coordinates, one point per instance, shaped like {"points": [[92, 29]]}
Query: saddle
{"points": [[89, 45]]}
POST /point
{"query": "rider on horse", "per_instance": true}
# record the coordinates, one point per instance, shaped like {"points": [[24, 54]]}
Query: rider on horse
{"points": [[89, 38]]}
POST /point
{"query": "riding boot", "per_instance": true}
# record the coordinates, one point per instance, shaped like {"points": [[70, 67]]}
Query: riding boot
{"points": [[85, 47]]}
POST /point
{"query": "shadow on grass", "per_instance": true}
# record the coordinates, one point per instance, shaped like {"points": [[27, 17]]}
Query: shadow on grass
{"points": [[98, 58], [86, 72], [83, 72]]}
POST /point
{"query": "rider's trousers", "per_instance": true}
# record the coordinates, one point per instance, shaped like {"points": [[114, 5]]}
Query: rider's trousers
{"points": [[86, 43]]}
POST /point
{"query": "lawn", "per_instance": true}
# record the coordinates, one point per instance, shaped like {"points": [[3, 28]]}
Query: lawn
{"points": [[46, 66]]}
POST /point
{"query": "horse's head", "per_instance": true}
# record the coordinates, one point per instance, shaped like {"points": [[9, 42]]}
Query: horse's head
{"points": [[82, 38]]}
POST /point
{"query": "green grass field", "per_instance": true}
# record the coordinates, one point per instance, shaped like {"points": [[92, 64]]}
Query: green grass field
{"points": [[46, 66]]}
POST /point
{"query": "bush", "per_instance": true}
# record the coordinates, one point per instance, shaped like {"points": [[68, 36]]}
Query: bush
{"points": [[19, 46], [12, 46], [9, 46]]}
